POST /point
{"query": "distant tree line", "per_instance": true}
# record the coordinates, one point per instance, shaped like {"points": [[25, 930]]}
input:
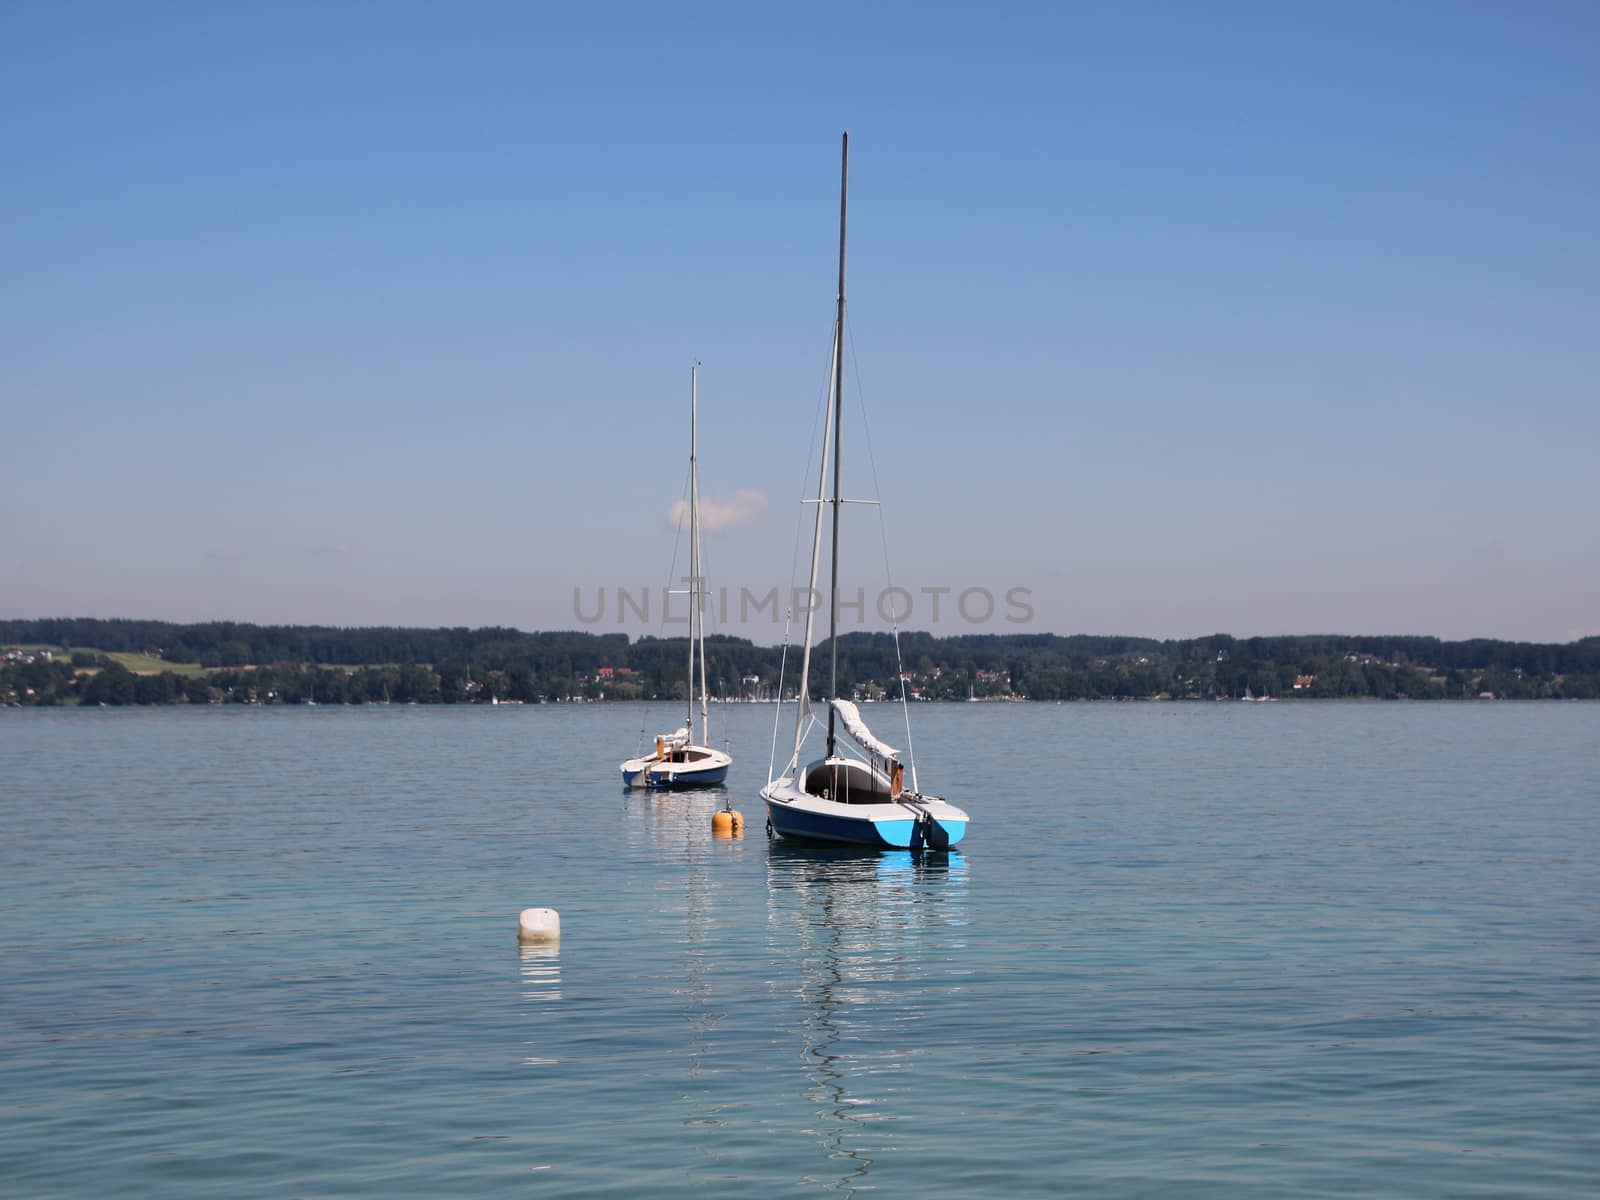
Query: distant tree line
{"points": [[295, 664]]}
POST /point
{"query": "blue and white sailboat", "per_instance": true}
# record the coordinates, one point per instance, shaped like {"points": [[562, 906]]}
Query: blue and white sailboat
{"points": [[854, 798], [679, 761]]}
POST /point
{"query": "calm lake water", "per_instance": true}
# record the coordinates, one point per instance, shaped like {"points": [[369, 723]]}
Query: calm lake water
{"points": [[1287, 950]]}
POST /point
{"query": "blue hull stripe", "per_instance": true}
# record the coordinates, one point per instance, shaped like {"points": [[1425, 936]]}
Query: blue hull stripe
{"points": [[896, 834]]}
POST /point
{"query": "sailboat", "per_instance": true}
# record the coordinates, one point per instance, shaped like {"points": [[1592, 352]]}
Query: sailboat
{"points": [[854, 798], [679, 760]]}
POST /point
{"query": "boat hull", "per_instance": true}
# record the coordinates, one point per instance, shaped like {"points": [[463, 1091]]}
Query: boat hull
{"points": [[924, 823], [654, 773]]}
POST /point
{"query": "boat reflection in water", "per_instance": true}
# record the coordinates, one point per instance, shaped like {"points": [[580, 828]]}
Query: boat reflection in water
{"points": [[872, 935], [700, 931], [675, 827]]}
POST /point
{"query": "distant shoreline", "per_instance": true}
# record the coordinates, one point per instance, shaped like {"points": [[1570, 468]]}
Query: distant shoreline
{"points": [[180, 703], [65, 661]]}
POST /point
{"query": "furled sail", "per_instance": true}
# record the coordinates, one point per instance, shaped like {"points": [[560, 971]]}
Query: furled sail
{"points": [[857, 729]]}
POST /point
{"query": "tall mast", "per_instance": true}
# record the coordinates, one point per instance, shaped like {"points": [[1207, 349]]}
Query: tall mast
{"points": [[694, 536], [838, 422], [700, 558]]}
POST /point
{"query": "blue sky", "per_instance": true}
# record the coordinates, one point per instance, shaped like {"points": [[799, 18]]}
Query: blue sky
{"points": [[1250, 318]]}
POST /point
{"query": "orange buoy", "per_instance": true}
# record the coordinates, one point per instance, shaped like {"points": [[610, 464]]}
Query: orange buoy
{"points": [[725, 823]]}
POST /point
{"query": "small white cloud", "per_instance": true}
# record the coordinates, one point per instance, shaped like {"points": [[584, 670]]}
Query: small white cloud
{"points": [[746, 507]]}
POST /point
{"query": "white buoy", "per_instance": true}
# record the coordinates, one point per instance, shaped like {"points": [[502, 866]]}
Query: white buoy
{"points": [[539, 925]]}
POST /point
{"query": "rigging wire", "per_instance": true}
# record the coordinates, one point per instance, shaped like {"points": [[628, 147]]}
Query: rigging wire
{"points": [[661, 626], [794, 563], [883, 533], [783, 662], [816, 419]]}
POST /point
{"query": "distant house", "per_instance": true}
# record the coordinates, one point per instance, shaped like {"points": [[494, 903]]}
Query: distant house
{"points": [[1303, 683]]}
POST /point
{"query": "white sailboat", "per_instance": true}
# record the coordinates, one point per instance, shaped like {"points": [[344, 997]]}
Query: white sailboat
{"points": [[679, 760], [861, 798]]}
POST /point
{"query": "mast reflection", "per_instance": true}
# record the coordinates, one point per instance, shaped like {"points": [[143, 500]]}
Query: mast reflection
{"points": [[858, 924], [674, 827]]}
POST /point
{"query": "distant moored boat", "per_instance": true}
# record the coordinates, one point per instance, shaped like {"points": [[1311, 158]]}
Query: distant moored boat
{"points": [[679, 761]]}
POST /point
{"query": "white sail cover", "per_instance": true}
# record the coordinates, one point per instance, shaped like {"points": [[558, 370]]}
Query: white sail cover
{"points": [[857, 729]]}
